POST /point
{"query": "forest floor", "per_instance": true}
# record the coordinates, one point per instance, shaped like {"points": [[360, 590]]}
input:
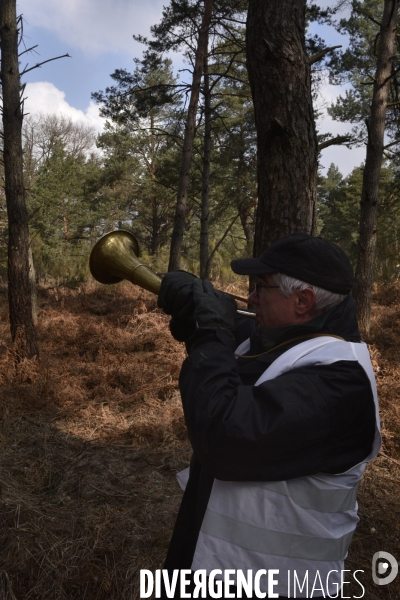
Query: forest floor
{"points": [[92, 436]]}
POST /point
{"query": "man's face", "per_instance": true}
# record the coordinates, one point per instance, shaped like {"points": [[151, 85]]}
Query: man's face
{"points": [[275, 310]]}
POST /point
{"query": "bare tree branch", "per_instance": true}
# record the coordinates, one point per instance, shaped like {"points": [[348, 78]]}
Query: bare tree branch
{"points": [[320, 55], [27, 50], [360, 11], [391, 143], [391, 76], [217, 245], [336, 141], [44, 62]]}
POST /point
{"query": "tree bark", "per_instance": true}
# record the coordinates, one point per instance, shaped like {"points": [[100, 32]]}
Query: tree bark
{"points": [[244, 213], [365, 270], [279, 74], [155, 228], [244, 207], [205, 264], [19, 294], [33, 288], [184, 177]]}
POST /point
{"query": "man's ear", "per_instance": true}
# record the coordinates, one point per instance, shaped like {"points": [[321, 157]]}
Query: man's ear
{"points": [[305, 301]]}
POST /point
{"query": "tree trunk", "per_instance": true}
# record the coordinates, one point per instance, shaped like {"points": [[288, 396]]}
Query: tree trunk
{"points": [[244, 213], [155, 219], [22, 328], [33, 288], [365, 270], [279, 74], [155, 228], [184, 177], [244, 207], [205, 264]]}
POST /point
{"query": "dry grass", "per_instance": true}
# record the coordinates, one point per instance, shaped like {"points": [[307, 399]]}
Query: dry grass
{"points": [[379, 527], [93, 435], [91, 438]]}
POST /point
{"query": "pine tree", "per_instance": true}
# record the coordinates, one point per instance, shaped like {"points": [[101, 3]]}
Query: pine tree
{"points": [[381, 57], [140, 145], [279, 73], [19, 288], [338, 216]]}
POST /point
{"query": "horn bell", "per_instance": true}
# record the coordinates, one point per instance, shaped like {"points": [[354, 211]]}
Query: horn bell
{"points": [[114, 258]]}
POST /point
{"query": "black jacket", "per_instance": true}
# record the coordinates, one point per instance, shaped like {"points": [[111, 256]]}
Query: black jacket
{"points": [[309, 420]]}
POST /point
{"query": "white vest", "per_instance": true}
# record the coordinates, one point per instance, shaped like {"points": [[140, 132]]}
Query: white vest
{"points": [[303, 524]]}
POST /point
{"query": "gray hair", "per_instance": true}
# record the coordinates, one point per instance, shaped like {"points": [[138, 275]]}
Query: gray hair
{"points": [[324, 299]]}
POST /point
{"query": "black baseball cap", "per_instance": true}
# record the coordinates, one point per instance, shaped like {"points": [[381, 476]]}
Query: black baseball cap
{"points": [[310, 259]]}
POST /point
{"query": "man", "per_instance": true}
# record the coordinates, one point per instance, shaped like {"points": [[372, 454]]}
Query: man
{"points": [[282, 428]]}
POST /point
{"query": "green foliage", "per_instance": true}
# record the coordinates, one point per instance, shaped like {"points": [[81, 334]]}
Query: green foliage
{"points": [[139, 169], [232, 183], [61, 210], [338, 216], [142, 143], [75, 196], [388, 241], [150, 88], [140, 150], [357, 66], [180, 23]]}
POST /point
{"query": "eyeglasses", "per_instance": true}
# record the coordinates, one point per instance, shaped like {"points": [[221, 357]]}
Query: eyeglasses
{"points": [[260, 284]]}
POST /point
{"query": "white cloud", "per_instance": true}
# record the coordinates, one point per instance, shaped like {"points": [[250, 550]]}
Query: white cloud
{"points": [[44, 97], [344, 158], [94, 26]]}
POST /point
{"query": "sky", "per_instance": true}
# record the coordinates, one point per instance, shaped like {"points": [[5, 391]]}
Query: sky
{"points": [[97, 34]]}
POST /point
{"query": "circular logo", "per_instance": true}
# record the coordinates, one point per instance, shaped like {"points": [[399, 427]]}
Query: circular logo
{"points": [[381, 568]]}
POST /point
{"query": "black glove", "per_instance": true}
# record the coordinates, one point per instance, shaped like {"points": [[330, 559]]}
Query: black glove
{"points": [[176, 294], [213, 309], [182, 329]]}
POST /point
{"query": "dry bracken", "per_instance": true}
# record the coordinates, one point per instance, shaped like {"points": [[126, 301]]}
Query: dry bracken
{"points": [[92, 436]]}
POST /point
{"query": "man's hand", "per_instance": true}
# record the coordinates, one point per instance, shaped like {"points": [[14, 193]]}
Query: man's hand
{"points": [[213, 309], [176, 294], [194, 303]]}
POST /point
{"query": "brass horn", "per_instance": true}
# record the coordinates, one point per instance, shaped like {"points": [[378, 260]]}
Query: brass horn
{"points": [[114, 258]]}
